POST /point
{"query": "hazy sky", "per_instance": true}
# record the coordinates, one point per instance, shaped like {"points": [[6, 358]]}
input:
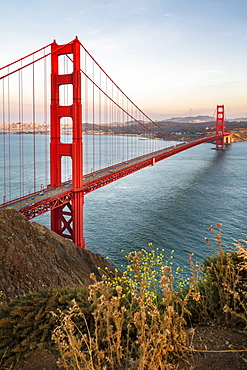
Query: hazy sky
{"points": [[168, 56]]}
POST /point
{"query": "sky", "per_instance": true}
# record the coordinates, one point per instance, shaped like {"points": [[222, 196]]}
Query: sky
{"points": [[171, 57]]}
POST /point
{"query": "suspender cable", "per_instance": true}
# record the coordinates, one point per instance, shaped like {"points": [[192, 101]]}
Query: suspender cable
{"points": [[118, 123], [106, 127], [132, 137], [20, 123], [9, 156], [86, 149], [93, 117], [4, 147], [123, 141], [34, 134], [127, 123], [22, 133], [100, 143], [115, 129], [45, 122], [111, 123], [19, 134]]}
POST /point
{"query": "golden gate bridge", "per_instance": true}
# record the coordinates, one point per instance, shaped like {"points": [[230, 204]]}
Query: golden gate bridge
{"points": [[89, 128]]}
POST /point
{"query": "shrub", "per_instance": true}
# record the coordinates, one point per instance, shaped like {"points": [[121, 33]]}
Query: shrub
{"points": [[223, 284], [27, 323]]}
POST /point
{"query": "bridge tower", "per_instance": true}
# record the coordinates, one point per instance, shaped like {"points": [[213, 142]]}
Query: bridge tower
{"points": [[67, 220], [220, 126]]}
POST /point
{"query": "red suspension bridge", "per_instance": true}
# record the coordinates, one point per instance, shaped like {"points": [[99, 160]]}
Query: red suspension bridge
{"points": [[92, 135]]}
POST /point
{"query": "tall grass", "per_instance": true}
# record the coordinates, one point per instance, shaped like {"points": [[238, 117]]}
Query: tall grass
{"points": [[140, 319]]}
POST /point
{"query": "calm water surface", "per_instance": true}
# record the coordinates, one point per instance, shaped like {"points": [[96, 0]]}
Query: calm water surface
{"points": [[171, 205]]}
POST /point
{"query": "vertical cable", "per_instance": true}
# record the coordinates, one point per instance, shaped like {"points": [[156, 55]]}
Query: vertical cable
{"points": [[118, 124], [9, 156], [123, 138], [106, 123], [147, 138], [34, 134], [100, 142], [20, 123], [93, 113], [22, 134], [45, 122], [115, 130], [4, 147], [86, 119], [127, 147], [111, 120], [19, 136]]}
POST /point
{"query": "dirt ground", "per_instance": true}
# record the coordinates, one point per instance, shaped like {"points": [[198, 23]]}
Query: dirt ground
{"points": [[215, 348], [209, 348]]}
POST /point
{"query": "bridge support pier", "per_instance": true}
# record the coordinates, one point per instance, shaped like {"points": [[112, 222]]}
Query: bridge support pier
{"points": [[67, 220]]}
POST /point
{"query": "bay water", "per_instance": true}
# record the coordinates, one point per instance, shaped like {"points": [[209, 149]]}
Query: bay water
{"points": [[171, 204]]}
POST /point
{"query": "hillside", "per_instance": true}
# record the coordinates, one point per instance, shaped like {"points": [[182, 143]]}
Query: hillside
{"points": [[239, 135], [33, 256]]}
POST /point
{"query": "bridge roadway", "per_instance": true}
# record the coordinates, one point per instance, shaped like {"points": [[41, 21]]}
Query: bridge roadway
{"points": [[37, 203]]}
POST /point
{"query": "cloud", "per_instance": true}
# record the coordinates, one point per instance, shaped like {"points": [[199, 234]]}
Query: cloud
{"points": [[211, 71]]}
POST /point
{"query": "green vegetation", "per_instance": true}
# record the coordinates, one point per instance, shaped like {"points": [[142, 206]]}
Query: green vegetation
{"points": [[223, 283], [134, 320], [27, 323]]}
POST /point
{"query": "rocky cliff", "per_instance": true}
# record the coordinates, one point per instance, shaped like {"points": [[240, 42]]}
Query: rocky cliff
{"points": [[32, 256]]}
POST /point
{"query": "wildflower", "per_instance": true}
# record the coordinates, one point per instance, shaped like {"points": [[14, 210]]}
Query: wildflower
{"points": [[119, 289]]}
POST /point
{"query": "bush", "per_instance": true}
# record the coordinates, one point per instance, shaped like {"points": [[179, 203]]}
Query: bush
{"points": [[27, 323], [223, 284]]}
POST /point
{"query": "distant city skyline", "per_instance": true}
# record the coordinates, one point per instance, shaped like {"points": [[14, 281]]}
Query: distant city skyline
{"points": [[171, 57]]}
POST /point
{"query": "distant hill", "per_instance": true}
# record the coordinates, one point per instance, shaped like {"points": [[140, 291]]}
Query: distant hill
{"points": [[242, 119], [195, 119], [198, 119]]}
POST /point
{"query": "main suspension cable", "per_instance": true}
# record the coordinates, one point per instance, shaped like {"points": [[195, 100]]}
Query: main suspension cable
{"points": [[145, 115]]}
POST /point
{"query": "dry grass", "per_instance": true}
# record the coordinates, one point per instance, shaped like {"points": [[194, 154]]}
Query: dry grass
{"points": [[223, 283], [139, 319]]}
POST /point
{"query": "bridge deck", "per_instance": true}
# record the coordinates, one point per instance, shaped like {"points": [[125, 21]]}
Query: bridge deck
{"points": [[35, 204]]}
